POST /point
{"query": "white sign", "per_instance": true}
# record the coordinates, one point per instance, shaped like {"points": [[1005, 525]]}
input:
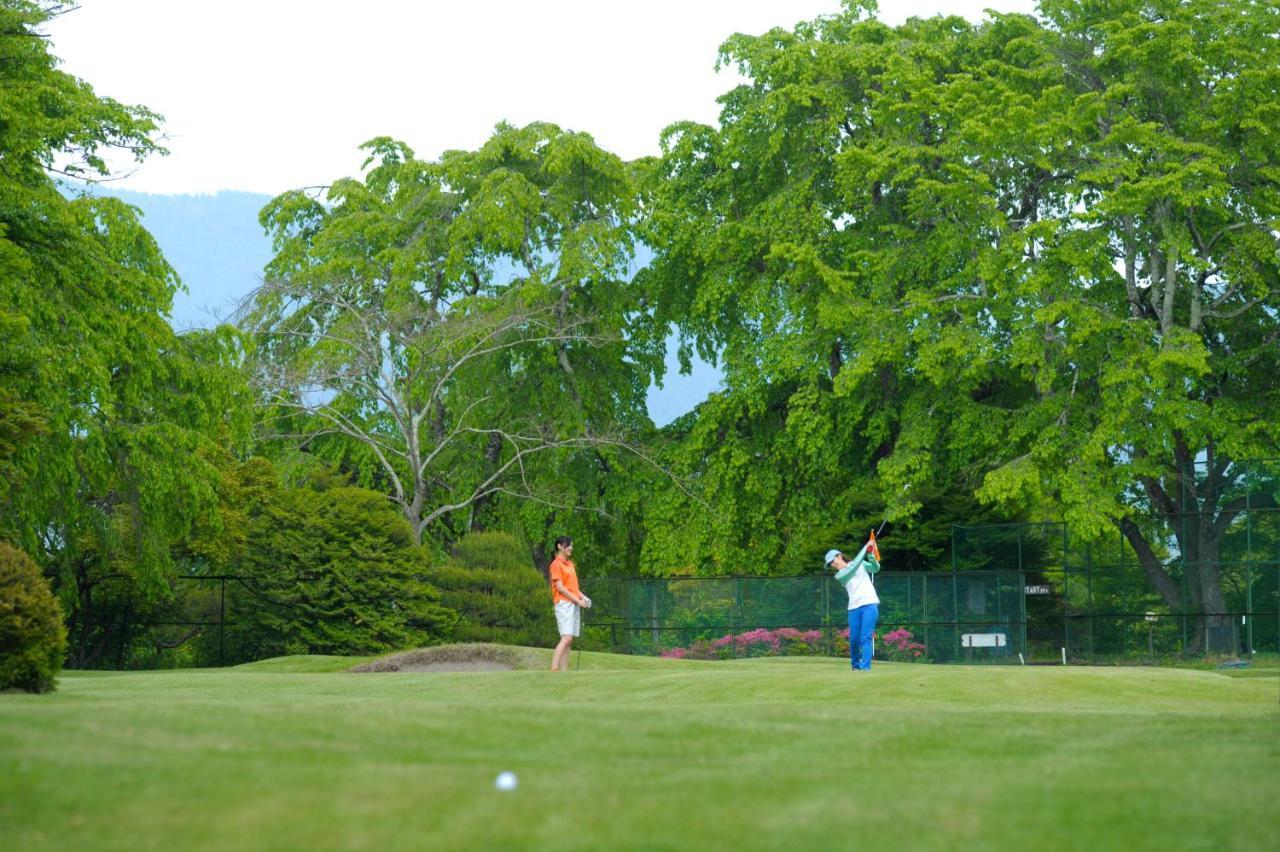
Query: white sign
{"points": [[982, 640], [1038, 590]]}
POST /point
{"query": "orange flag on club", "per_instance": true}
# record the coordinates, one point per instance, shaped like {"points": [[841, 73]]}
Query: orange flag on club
{"points": [[872, 547]]}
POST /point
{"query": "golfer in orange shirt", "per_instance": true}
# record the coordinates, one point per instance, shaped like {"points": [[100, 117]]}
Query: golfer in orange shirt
{"points": [[569, 602]]}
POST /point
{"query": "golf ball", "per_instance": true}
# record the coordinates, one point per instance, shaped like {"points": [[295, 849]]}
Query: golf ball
{"points": [[506, 781]]}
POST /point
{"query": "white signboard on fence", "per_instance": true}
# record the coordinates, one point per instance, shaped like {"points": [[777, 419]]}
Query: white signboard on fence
{"points": [[982, 640]]}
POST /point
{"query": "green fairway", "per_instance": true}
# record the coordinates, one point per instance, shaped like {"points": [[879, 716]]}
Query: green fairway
{"points": [[644, 753]]}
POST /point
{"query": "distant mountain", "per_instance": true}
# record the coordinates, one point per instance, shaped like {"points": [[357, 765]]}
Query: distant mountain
{"points": [[213, 241], [219, 250]]}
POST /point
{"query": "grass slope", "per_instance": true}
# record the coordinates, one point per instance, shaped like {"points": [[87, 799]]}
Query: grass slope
{"points": [[644, 753]]}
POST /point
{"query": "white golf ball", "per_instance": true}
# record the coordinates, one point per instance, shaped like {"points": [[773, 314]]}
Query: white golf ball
{"points": [[506, 781]]}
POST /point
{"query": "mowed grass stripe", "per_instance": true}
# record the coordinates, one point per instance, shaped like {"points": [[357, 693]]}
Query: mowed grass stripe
{"points": [[638, 753]]}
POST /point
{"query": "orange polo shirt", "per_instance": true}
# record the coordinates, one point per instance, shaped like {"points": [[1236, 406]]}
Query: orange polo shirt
{"points": [[562, 569]]}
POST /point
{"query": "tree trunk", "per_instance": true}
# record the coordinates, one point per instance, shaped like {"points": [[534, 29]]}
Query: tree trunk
{"points": [[1216, 628], [82, 619], [1199, 523], [540, 560], [1151, 565], [492, 454]]}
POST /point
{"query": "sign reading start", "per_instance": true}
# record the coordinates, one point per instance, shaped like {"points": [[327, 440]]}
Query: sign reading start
{"points": [[1037, 590]]}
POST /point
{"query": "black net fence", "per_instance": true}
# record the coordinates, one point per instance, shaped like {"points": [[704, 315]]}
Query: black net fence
{"points": [[1203, 580], [1096, 602], [924, 616]]}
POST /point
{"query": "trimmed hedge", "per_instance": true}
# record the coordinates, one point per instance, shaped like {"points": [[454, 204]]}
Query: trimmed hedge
{"points": [[33, 638]]}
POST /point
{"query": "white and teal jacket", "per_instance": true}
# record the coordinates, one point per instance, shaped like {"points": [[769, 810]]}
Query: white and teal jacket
{"points": [[856, 579]]}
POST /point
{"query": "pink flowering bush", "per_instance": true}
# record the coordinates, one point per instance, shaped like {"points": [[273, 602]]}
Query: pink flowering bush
{"points": [[782, 642], [899, 646], [840, 647]]}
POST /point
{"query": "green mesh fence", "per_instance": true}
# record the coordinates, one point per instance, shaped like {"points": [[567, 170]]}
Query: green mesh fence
{"points": [[1096, 601], [1029, 591], [923, 616], [1033, 590], [1111, 609]]}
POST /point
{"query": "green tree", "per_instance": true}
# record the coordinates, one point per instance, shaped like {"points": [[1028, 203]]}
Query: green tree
{"points": [[326, 568], [20, 419], [109, 407], [440, 327], [751, 237], [1037, 258], [786, 475]]}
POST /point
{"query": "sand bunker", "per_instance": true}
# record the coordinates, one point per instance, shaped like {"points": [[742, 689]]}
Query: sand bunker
{"points": [[448, 658], [474, 666]]}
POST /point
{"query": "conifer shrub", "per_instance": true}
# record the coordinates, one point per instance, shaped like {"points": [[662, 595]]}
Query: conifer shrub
{"points": [[499, 594], [33, 638]]}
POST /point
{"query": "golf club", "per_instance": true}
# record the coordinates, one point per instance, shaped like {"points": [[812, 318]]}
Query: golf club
{"points": [[582, 614], [905, 489]]}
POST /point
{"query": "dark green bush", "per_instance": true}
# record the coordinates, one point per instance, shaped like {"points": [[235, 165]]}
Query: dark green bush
{"points": [[33, 639], [327, 570], [501, 596]]}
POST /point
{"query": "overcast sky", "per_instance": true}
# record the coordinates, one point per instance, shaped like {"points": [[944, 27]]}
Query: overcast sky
{"points": [[269, 95]]}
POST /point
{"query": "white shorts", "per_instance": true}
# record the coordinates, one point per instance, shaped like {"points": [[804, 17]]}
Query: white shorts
{"points": [[569, 618]]}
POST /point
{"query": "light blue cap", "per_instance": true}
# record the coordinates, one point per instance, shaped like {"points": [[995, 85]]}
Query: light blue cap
{"points": [[831, 554]]}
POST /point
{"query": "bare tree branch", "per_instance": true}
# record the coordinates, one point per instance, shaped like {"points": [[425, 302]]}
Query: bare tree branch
{"points": [[320, 348]]}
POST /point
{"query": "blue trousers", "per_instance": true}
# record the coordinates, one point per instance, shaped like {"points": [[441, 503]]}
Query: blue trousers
{"points": [[862, 623]]}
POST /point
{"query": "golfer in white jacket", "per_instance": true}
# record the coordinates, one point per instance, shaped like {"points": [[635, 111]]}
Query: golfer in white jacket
{"points": [[864, 603]]}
